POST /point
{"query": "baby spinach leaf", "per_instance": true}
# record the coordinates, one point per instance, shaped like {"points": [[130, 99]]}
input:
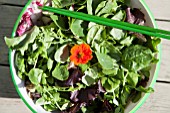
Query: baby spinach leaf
{"points": [[50, 64], [137, 97], [43, 78], [63, 3], [114, 83], [83, 67], [62, 54], [91, 33], [92, 72], [89, 7], [100, 6], [33, 56], [61, 22], [19, 62], [41, 101], [111, 72], [117, 34], [105, 61], [132, 78], [111, 50], [21, 43], [60, 72], [35, 75], [109, 7], [110, 84], [99, 36], [145, 90], [95, 4], [127, 41], [50, 80], [136, 57], [152, 43], [119, 15], [78, 28], [88, 80]]}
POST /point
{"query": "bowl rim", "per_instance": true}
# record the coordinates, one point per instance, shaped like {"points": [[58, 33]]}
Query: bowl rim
{"points": [[143, 99]]}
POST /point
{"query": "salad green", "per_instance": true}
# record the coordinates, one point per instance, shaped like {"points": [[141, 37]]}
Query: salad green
{"points": [[116, 74]]}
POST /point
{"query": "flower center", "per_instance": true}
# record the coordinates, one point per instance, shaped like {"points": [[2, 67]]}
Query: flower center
{"points": [[79, 55]]}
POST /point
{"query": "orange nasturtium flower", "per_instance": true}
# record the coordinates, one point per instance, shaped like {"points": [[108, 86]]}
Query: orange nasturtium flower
{"points": [[81, 54]]}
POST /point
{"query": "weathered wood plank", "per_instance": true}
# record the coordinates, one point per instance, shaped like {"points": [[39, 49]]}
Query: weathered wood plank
{"points": [[14, 105], [14, 2], [9, 15], [158, 102], [7, 88], [160, 8], [3, 47], [164, 74]]}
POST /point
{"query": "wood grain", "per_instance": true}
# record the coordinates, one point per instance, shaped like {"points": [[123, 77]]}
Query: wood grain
{"points": [[14, 2], [6, 25], [160, 8], [7, 88], [158, 102], [164, 73], [10, 15], [14, 105]]}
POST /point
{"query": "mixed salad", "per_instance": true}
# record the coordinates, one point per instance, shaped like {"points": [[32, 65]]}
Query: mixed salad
{"points": [[74, 66]]}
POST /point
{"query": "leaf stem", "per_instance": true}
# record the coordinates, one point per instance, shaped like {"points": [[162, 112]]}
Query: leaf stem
{"points": [[35, 63]]}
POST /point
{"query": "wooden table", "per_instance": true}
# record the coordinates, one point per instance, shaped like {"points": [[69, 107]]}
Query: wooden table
{"points": [[158, 102]]}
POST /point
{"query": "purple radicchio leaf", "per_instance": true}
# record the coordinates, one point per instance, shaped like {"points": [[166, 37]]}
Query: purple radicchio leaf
{"points": [[82, 98], [35, 95], [75, 76], [74, 95], [100, 87], [106, 106], [87, 95], [135, 16], [74, 108]]}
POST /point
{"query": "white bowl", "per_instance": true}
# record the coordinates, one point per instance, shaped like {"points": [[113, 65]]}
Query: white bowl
{"points": [[132, 107]]}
